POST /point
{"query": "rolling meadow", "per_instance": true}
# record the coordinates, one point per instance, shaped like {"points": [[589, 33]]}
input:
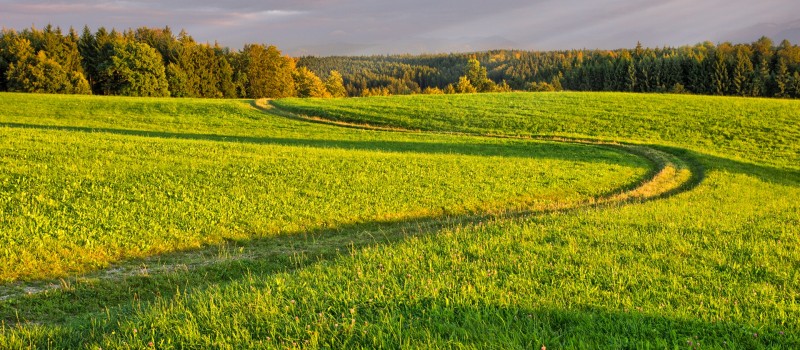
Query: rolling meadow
{"points": [[502, 220]]}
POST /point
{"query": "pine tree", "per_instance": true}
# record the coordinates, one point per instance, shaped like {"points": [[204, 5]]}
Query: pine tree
{"points": [[629, 75], [698, 81], [610, 82], [644, 69], [741, 74], [672, 73], [225, 77], [89, 51], [795, 85], [782, 79], [718, 72]]}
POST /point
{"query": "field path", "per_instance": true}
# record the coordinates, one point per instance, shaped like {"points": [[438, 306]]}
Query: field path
{"points": [[672, 172]]}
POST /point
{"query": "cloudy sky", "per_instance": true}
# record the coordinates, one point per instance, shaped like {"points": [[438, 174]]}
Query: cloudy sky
{"points": [[335, 27]]}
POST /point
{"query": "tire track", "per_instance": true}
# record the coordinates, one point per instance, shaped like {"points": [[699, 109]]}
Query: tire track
{"points": [[670, 175]]}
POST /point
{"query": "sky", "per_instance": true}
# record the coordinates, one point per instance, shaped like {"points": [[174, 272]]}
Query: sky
{"points": [[366, 27]]}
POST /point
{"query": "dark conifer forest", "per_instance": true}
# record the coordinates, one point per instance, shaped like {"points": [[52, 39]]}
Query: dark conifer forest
{"points": [[157, 62]]}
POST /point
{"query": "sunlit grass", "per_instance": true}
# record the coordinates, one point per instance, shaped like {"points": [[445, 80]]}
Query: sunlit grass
{"points": [[714, 266], [765, 130], [77, 198]]}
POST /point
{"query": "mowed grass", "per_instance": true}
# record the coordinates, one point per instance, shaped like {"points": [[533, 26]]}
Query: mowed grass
{"points": [[715, 266]]}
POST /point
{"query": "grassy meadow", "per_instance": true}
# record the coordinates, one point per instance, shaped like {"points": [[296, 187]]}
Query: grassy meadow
{"points": [[178, 223]]}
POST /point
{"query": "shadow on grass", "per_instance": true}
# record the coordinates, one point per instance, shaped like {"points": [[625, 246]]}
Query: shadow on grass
{"points": [[191, 269], [234, 260], [698, 161], [765, 173], [66, 315], [81, 299], [518, 148], [581, 328]]}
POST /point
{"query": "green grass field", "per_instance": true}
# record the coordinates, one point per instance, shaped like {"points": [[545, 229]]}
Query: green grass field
{"points": [[178, 223]]}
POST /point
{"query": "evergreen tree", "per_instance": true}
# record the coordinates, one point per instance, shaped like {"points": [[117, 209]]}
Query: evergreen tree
{"points": [[610, 82], [672, 73], [741, 74], [644, 73], [761, 79], [718, 73], [102, 48], [698, 82], [795, 85], [90, 51], [202, 70], [225, 76], [629, 70], [782, 79], [38, 58]]}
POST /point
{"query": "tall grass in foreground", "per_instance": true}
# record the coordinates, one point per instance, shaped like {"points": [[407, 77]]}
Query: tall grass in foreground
{"points": [[716, 266]]}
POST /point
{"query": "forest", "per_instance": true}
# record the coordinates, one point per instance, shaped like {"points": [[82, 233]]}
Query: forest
{"points": [[759, 69], [151, 62], [156, 62]]}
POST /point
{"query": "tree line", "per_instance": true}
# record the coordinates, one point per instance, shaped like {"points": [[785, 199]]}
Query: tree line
{"points": [[759, 69], [156, 62], [151, 62]]}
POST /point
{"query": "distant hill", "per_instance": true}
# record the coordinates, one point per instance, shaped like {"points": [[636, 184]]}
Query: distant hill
{"points": [[764, 67]]}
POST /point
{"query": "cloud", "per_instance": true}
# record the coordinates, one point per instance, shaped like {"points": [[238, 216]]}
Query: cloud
{"points": [[215, 17], [384, 26]]}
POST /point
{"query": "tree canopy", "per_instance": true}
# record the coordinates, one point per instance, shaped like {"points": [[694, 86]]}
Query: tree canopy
{"points": [[156, 62]]}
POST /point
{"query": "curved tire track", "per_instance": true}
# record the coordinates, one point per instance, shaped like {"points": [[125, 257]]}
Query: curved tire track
{"points": [[670, 175]]}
